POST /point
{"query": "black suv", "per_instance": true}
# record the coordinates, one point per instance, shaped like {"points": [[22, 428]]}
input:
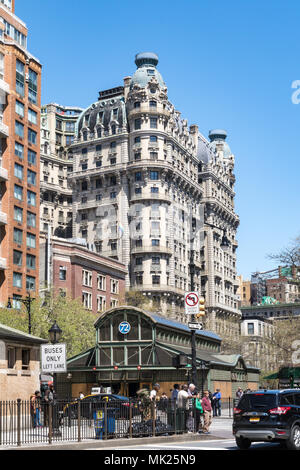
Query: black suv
{"points": [[268, 416]]}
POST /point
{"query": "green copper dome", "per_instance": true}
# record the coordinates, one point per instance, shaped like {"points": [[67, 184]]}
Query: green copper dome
{"points": [[146, 69]]}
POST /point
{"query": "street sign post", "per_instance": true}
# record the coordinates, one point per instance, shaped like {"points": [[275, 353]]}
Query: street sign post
{"points": [[195, 326], [191, 303], [53, 358]]}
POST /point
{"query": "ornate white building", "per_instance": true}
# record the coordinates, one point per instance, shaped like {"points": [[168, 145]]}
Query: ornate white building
{"points": [[143, 186]]}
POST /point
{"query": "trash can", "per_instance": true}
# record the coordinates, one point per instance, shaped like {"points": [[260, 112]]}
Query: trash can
{"points": [[99, 423]]}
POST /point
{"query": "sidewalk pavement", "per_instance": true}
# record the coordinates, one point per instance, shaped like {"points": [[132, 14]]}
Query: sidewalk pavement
{"points": [[220, 429]]}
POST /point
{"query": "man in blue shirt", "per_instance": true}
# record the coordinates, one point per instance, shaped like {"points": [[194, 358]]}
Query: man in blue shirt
{"points": [[217, 403]]}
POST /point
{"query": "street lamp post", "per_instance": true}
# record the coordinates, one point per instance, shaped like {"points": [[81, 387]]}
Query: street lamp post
{"points": [[27, 302], [55, 335]]}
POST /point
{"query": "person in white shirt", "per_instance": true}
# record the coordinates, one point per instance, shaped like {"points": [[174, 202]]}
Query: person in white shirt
{"points": [[183, 406], [154, 391]]}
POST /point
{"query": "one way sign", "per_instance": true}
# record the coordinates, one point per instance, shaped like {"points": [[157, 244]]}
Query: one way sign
{"points": [[196, 326]]}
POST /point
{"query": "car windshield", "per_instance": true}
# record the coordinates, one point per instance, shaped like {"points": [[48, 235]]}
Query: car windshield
{"points": [[256, 401]]}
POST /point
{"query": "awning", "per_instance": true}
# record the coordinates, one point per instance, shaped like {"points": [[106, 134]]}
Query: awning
{"points": [[272, 376]]}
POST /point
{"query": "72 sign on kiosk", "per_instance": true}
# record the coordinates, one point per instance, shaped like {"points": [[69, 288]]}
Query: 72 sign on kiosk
{"points": [[191, 303]]}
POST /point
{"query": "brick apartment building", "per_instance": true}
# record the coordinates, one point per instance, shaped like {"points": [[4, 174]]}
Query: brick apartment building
{"points": [[20, 92], [74, 270]]}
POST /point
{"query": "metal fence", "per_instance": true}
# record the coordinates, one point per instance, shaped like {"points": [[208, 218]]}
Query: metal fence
{"points": [[79, 420]]}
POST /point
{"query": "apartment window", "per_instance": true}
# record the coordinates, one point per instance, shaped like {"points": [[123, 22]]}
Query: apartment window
{"points": [[137, 104], [31, 177], [98, 148], [84, 186], [31, 157], [17, 258], [18, 214], [87, 300], [137, 124], [101, 282], [32, 135], [30, 261], [19, 129], [31, 198], [18, 236], [138, 176], [250, 327], [25, 359], [154, 190], [98, 183], [139, 261], [32, 86], [138, 190], [19, 150], [113, 195], [1, 64], [62, 273], [84, 166], [18, 171], [17, 280], [31, 219], [155, 260], [18, 192], [137, 156], [154, 175], [30, 240], [113, 145], [153, 138], [69, 139], [20, 77], [113, 129], [153, 123], [70, 126], [152, 104], [86, 278], [30, 283], [101, 303], [154, 242], [98, 197], [98, 163], [114, 286], [11, 358], [32, 116], [114, 303], [139, 279], [137, 140], [155, 280], [20, 108], [84, 151]]}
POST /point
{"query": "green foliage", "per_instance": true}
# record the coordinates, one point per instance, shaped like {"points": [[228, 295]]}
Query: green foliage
{"points": [[76, 323]]}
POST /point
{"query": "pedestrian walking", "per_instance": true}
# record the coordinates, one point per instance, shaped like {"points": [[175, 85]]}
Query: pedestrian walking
{"points": [[35, 409], [198, 414], [207, 410], [191, 418], [153, 393], [216, 403], [174, 393], [239, 393], [183, 407]]}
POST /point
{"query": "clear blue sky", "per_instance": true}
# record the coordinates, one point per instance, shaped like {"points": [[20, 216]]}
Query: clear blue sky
{"points": [[227, 64]]}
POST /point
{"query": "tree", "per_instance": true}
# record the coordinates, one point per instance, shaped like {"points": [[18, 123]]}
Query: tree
{"points": [[136, 298], [289, 256], [76, 323]]}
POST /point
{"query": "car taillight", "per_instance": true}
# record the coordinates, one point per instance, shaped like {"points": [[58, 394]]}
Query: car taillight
{"points": [[280, 410], [236, 411]]}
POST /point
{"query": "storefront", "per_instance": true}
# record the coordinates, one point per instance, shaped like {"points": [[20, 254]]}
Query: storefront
{"points": [[135, 349]]}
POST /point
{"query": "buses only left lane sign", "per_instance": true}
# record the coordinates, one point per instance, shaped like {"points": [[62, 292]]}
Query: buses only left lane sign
{"points": [[53, 358]]}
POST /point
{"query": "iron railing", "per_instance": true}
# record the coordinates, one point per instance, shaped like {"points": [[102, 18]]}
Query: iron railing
{"points": [[92, 418]]}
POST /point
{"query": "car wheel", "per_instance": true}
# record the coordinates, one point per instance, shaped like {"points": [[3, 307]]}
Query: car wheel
{"points": [[293, 443], [243, 443]]}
